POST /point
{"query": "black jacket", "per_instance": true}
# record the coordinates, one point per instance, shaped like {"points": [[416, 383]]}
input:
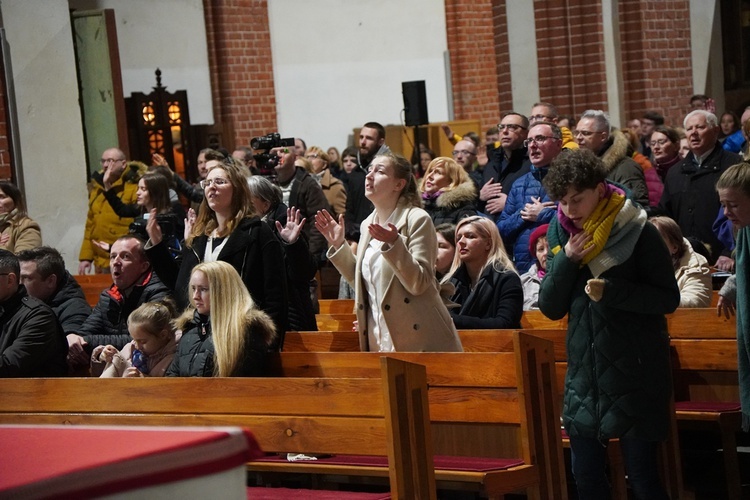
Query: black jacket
{"points": [[358, 207], [70, 305], [690, 196], [300, 269], [308, 197], [495, 303], [504, 170], [195, 354], [251, 248], [108, 323], [32, 343], [452, 206]]}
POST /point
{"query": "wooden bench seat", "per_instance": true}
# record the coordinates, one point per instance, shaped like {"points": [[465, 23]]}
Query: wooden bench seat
{"points": [[491, 405], [382, 415]]}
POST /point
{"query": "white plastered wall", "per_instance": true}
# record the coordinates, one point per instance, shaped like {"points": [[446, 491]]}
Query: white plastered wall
{"points": [[340, 63], [49, 120]]}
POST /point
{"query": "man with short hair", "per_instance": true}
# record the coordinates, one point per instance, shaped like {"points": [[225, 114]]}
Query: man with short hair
{"points": [[102, 223], [45, 278], [371, 143], [650, 120], [689, 196], [299, 147], [247, 157], [594, 133], [32, 343], [465, 154], [506, 164], [546, 112], [528, 205], [133, 283]]}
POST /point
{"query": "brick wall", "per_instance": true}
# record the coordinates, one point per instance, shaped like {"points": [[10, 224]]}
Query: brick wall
{"points": [[657, 66], [5, 159], [502, 59], [475, 70], [570, 51], [239, 47]]}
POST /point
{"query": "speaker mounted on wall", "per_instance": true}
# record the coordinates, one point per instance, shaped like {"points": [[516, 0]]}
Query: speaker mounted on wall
{"points": [[415, 103]]}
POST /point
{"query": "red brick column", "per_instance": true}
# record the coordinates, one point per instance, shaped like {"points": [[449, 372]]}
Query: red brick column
{"points": [[239, 48], [570, 51], [656, 54], [474, 67]]}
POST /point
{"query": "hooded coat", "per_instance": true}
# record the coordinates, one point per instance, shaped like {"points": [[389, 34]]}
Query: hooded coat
{"points": [[452, 205], [622, 169]]}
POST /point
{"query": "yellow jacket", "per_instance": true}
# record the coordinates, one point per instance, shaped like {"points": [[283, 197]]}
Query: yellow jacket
{"points": [[102, 223], [22, 233]]}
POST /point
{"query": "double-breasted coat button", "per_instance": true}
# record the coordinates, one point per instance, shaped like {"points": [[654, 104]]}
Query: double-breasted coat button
{"points": [[387, 307], [406, 300], [416, 326], [361, 306]]}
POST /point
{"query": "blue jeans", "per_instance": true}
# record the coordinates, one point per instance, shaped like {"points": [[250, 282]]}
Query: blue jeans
{"points": [[589, 458]]}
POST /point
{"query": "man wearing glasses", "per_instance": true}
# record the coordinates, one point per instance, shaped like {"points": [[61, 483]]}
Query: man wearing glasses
{"points": [[546, 112], [506, 164], [103, 225], [528, 205], [594, 133]]}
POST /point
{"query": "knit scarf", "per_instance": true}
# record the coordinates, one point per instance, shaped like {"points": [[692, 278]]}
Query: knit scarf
{"points": [[615, 225]]}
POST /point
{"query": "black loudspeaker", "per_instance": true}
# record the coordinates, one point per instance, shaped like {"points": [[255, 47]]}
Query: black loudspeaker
{"points": [[415, 103]]}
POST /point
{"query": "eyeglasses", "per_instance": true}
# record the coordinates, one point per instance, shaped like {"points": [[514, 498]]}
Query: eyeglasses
{"points": [[510, 126], [218, 182], [539, 118], [104, 161], [311, 156], [659, 142], [586, 133], [538, 140], [462, 152]]}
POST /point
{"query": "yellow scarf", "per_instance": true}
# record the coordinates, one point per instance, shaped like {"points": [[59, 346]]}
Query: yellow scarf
{"points": [[599, 224]]}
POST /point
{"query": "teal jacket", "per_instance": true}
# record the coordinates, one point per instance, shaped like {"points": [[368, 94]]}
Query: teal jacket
{"points": [[618, 382]]}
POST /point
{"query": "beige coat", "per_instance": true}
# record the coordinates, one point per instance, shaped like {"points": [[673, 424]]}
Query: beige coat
{"points": [[416, 316], [694, 279], [21, 232]]}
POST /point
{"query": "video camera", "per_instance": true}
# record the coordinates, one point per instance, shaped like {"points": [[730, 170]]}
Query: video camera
{"points": [[265, 161]]}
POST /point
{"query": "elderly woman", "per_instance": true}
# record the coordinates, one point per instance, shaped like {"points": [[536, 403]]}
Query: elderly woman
{"points": [[17, 231], [333, 188], [690, 268], [447, 191]]}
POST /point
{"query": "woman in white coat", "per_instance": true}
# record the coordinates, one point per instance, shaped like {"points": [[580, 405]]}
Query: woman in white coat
{"points": [[398, 303]]}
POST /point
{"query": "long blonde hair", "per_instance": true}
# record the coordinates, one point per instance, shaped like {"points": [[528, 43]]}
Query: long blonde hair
{"points": [[241, 205], [451, 168], [497, 257], [230, 315], [402, 169]]}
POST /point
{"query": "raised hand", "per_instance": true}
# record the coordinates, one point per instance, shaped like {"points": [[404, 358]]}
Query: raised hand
{"points": [[294, 224], [157, 159], [153, 229], [385, 234], [576, 248], [332, 231], [189, 223]]}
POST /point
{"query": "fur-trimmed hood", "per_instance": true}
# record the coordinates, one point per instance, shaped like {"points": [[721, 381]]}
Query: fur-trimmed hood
{"points": [[461, 195], [261, 324], [616, 150]]}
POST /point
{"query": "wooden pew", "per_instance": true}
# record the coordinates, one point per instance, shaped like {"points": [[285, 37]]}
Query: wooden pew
{"points": [[492, 405], [335, 322], [704, 362], [384, 414], [92, 285], [336, 306]]}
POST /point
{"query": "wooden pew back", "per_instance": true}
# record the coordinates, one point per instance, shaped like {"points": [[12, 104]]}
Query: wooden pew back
{"points": [[93, 285], [386, 414], [488, 404]]}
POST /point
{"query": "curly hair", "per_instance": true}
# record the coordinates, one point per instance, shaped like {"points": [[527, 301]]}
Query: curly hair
{"points": [[579, 169]]}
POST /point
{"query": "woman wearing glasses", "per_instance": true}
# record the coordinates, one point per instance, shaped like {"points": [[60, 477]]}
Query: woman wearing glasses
{"points": [[227, 229], [665, 149], [398, 304]]}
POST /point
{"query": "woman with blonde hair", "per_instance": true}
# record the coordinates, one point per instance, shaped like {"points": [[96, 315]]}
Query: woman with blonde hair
{"points": [[333, 188], [488, 289], [397, 300], [227, 229], [225, 334], [447, 191], [690, 268]]}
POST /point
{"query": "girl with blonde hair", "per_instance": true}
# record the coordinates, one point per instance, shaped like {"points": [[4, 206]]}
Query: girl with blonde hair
{"points": [[398, 303], [225, 334], [447, 191], [487, 287]]}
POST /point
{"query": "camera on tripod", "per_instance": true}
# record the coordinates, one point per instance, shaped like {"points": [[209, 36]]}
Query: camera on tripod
{"points": [[265, 161]]}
